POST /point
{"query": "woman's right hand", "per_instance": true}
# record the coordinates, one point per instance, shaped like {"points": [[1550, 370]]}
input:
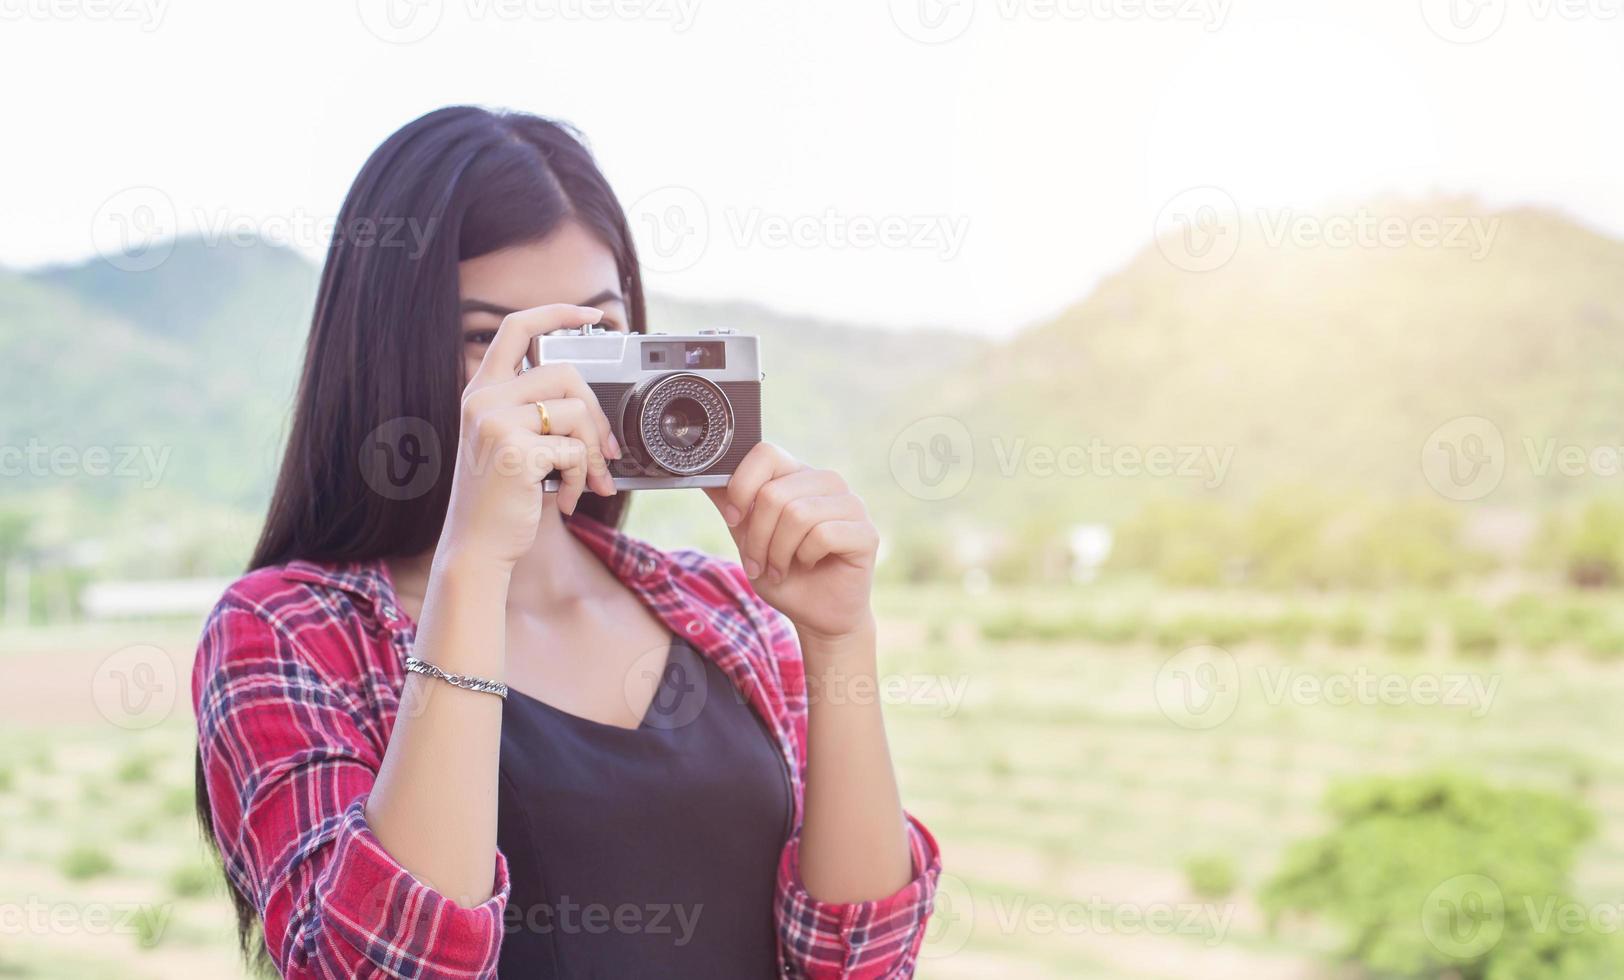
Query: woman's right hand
{"points": [[502, 457]]}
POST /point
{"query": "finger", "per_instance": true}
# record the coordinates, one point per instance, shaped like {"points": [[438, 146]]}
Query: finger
{"points": [[801, 516], [735, 527], [770, 502], [561, 381], [507, 349], [566, 417], [568, 456], [840, 538], [763, 462]]}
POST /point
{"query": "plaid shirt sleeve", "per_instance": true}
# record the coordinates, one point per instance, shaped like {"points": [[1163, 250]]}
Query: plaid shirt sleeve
{"points": [[875, 939], [291, 737]]}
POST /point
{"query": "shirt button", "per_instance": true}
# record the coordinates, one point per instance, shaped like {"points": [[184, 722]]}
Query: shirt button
{"points": [[645, 567], [695, 627], [388, 613]]}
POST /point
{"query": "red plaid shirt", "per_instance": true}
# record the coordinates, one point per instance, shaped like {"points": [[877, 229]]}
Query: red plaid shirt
{"points": [[296, 686]]}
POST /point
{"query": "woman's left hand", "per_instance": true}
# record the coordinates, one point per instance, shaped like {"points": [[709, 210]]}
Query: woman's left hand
{"points": [[804, 539]]}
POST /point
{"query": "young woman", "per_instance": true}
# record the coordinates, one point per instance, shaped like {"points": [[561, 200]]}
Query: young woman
{"points": [[654, 791]]}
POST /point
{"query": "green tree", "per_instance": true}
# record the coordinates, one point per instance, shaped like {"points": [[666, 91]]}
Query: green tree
{"points": [[1586, 545], [1443, 874]]}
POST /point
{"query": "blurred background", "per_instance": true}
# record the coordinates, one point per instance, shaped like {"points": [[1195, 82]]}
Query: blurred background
{"points": [[1239, 387]]}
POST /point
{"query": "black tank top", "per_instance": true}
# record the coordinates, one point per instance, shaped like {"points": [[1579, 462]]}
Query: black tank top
{"points": [[646, 852]]}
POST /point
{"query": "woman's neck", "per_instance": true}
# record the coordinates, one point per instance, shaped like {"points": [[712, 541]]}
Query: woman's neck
{"points": [[557, 572]]}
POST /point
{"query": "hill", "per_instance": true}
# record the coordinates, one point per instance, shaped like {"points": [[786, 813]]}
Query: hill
{"points": [[1313, 364], [1296, 362]]}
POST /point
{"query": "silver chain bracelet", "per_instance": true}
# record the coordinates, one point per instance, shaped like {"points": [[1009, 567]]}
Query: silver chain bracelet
{"points": [[463, 681]]}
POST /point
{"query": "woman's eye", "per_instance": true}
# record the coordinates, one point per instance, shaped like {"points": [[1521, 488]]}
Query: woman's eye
{"points": [[482, 338]]}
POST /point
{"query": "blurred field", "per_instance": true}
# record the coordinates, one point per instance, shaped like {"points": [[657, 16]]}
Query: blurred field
{"points": [[1034, 734]]}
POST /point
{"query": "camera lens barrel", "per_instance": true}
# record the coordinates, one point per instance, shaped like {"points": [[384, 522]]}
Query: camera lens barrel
{"points": [[682, 422]]}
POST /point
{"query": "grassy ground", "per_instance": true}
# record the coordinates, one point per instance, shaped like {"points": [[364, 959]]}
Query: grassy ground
{"points": [[1064, 777]]}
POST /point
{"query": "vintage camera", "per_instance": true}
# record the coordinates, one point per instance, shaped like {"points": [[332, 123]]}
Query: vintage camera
{"points": [[684, 407]]}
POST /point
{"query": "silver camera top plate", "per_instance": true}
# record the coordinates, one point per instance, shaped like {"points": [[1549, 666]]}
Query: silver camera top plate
{"points": [[610, 355]]}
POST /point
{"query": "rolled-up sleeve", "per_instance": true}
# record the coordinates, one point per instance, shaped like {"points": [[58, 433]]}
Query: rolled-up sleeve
{"points": [[289, 763], [874, 939]]}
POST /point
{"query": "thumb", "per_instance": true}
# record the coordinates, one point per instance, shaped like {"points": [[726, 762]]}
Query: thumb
{"points": [[730, 512]]}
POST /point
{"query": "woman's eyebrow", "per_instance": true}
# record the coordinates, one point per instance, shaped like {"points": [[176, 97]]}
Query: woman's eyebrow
{"points": [[480, 306], [607, 296]]}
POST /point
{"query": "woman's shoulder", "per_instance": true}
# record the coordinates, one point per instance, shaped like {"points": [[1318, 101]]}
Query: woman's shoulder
{"points": [[301, 593], [322, 613]]}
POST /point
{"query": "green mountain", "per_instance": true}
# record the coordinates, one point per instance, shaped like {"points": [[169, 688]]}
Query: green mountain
{"points": [[1313, 364], [1295, 362], [184, 374]]}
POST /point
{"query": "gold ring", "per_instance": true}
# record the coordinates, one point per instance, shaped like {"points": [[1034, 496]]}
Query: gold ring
{"points": [[546, 420]]}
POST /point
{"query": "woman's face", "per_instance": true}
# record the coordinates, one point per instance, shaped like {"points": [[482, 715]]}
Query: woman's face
{"points": [[569, 266]]}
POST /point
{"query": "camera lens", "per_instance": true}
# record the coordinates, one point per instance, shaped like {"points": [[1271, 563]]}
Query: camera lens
{"points": [[684, 422]]}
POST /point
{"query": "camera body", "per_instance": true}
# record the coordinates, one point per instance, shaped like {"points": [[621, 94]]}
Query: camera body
{"points": [[684, 407]]}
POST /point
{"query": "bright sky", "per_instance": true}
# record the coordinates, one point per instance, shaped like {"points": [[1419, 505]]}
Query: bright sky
{"points": [[967, 163]]}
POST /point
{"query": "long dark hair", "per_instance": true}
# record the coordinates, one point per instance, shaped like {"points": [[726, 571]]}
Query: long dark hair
{"points": [[385, 353]]}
